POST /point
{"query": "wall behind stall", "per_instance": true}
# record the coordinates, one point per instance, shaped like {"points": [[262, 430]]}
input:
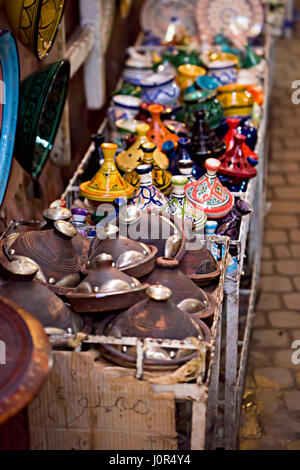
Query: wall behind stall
{"points": [[23, 199]]}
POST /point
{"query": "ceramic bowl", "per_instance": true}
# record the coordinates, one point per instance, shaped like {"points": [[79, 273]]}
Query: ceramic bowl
{"points": [[160, 88], [207, 83], [222, 67], [126, 106], [35, 23], [43, 96], [9, 98], [187, 75], [236, 100]]}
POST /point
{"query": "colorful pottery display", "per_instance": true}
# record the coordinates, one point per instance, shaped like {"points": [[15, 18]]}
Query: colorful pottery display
{"points": [[147, 197], [231, 17], [158, 133], [223, 69], [184, 153], [208, 193], [205, 82], [234, 162], [178, 205], [9, 99], [131, 158], [161, 178], [42, 101], [160, 88], [178, 57], [29, 358], [156, 16], [205, 143], [229, 139], [198, 100], [35, 23], [107, 185], [187, 75], [126, 106], [236, 100]]}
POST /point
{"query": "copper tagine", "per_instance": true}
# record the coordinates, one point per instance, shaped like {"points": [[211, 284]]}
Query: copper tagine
{"points": [[158, 132], [105, 288], [52, 250], [209, 194], [200, 266], [18, 285], [155, 317], [205, 142], [186, 295], [131, 158], [107, 185], [134, 258], [234, 162], [161, 178]]}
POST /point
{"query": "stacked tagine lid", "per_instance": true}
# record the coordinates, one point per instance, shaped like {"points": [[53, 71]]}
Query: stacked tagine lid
{"points": [[107, 185], [234, 162], [205, 142], [209, 194]]}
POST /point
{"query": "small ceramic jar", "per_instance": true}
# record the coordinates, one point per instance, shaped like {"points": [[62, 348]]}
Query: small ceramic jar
{"points": [[126, 106], [79, 215], [223, 70], [160, 88], [187, 75]]}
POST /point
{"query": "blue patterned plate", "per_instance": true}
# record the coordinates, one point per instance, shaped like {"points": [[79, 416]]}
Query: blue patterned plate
{"points": [[9, 101]]}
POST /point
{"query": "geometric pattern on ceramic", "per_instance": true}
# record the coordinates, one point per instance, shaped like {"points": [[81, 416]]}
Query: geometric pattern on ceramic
{"points": [[9, 101], [147, 196], [156, 16], [160, 89], [209, 194], [35, 23], [216, 16]]}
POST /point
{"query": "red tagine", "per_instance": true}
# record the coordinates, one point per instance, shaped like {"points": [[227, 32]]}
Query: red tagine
{"points": [[234, 162]]}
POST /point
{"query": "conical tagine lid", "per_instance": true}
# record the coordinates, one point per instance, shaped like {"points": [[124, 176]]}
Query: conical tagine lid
{"points": [[234, 162], [107, 185], [205, 143], [209, 193]]}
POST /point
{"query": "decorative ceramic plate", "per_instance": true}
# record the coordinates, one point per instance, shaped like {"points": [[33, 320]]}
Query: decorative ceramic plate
{"points": [[232, 17], [108, 15], [156, 15], [25, 354], [9, 100]]}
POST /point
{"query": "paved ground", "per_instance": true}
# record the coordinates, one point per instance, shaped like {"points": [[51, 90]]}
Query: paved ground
{"points": [[271, 410]]}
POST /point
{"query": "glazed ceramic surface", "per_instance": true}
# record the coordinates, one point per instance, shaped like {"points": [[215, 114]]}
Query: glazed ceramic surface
{"points": [[205, 82], [160, 88], [223, 70], [126, 106], [158, 133], [230, 17], [107, 185], [156, 15], [202, 100], [147, 197], [35, 23], [209, 194], [234, 162], [236, 100], [42, 101], [229, 139], [9, 99], [187, 75], [205, 143]]}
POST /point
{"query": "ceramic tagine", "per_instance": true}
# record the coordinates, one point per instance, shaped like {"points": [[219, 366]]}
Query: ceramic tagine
{"points": [[205, 143], [131, 158], [208, 193], [185, 168], [234, 162], [186, 295], [158, 133], [155, 317], [160, 88], [147, 195], [178, 205], [184, 153], [187, 75], [161, 178], [236, 100], [107, 184], [105, 288], [229, 139], [195, 100], [18, 285]]}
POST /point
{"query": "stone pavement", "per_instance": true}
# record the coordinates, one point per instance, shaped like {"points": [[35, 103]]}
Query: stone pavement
{"points": [[271, 410]]}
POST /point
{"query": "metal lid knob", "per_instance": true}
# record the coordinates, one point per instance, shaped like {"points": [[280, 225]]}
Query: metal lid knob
{"points": [[65, 228], [159, 293]]}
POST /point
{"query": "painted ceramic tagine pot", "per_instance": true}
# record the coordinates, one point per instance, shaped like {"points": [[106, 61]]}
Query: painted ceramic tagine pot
{"points": [[236, 100], [105, 288], [230, 142], [107, 185], [147, 196], [35, 23], [209, 194], [223, 67], [131, 158], [186, 295], [43, 96], [187, 75], [158, 133], [9, 77], [179, 206], [161, 178], [201, 100], [160, 89], [131, 257], [185, 168], [18, 285], [52, 250], [205, 143], [155, 317], [234, 162], [182, 153]]}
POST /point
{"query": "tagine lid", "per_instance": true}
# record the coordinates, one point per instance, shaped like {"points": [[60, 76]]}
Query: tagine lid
{"points": [[209, 193], [234, 162], [107, 185], [155, 317], [205, 142]]}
